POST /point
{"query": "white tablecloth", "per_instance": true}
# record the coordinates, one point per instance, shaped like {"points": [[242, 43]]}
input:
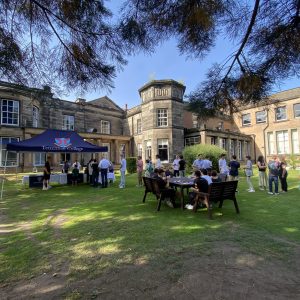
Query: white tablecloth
{"points": [[110, 176], [58, 178]]}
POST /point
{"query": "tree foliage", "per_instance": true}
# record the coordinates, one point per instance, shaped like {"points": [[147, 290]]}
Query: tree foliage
{"points": [[78, 43], [267, 33], [70, 43]]}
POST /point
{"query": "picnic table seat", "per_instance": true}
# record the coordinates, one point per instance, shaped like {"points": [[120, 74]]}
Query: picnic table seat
{"points": [[218, 192]]}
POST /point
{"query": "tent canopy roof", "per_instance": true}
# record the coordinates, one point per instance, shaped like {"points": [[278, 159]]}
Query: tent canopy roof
{"points": [[52, 140]]}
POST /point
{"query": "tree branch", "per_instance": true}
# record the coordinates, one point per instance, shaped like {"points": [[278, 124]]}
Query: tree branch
{"points": [[245, 39], [44, 8]]}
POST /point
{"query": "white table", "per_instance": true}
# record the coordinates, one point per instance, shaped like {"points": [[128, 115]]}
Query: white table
{"points": [[57, 178]]}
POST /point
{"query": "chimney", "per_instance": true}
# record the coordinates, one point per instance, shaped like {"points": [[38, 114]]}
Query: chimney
{"points": [[126, 107], [80, 101]]}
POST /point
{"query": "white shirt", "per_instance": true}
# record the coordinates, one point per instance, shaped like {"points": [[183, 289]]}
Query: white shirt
{"points": [[158, 164], [206, 164], [198, 163], [223, 166], [104, 163], [123, 165], [176, 164], [78, 165], [207, 178]]}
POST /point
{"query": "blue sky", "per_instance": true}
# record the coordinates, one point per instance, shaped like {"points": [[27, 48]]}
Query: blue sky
{"points": [[164, 63]]}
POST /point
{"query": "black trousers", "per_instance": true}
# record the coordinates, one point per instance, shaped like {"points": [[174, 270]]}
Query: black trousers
{"points": [[284, 185]]}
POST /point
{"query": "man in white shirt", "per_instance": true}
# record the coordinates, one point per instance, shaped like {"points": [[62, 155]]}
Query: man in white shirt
{"points": [[122, 171], [206, 164], [76, 163], [176, 166], [198, 163], [223, 168], [158, 162], [104, 164]]}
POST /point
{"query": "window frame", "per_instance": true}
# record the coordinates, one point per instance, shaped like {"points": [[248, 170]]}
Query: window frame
{"points": [[12, 112], [104, 124], [296, 110], [162, 147], [243, 121], [285, 141], [277, 113], [294, 141], [67, 124], [3, 152], [162, 117], [139, 126], [35, 116], [265, 117], [41, 161]]}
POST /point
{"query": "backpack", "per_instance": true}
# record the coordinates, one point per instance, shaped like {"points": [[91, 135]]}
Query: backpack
{"points": [[150, 168]]}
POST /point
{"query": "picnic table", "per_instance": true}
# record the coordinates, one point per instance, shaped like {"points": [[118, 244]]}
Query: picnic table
{"points": [[182, 183]]}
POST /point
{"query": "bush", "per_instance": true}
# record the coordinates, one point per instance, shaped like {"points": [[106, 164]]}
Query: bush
{"points": [[131, 164], [211, 152], [293, 161]]}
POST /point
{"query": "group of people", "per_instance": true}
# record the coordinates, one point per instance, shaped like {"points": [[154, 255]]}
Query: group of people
{"points": [[276, 168], [102, 169], [178, 167]]}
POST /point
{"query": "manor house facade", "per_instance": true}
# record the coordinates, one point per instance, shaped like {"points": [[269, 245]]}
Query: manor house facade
{"points": [[159, 125]]}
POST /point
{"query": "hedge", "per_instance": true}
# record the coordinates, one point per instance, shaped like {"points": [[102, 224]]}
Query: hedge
{"points": [[131, 164], [211, 152]]}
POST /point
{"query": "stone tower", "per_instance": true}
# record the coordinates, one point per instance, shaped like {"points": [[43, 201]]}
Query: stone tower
{"points": [[162, 119]]}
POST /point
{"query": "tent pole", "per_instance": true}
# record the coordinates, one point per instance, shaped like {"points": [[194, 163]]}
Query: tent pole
{"points": [[3, 179]]}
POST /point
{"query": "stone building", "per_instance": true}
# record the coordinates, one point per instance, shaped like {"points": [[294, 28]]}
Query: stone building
{"points": [[159, 125], [274, 124]]}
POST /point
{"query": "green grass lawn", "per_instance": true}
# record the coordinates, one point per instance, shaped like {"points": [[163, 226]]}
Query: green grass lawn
{"points": [[96, 230]]}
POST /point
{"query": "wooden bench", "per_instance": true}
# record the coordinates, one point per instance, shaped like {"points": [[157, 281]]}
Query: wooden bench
{"points": [[218, 192], [151, 186]]}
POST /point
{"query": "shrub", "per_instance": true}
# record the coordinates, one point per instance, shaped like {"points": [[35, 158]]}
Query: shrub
{"points": [[212, 152], [131, 164], [293, 161]]}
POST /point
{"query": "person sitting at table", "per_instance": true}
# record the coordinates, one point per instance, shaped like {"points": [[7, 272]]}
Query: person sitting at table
{"points": [[168, 173], [75, 175], [215, 177], [166, 192], [200, 185], [204, 174], [154, 175]]}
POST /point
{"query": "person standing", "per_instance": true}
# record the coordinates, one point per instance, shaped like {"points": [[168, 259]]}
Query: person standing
{"points": [[66, 167], [139, 170], [148, 168], [207, 164], [176, 166], [262, 174], [47, 173], [223, 168], [90, 171], [77, 163], [181, 166], [283, 176], [122, 171], [198, 163], [158, 162], [234, 166], [95, 173], [104, 164], [75, 175], [249, 173], [273, 166]]}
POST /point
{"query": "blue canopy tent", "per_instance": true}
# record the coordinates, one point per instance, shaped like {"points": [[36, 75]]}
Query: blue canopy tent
{"points": [[52, 140]]}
